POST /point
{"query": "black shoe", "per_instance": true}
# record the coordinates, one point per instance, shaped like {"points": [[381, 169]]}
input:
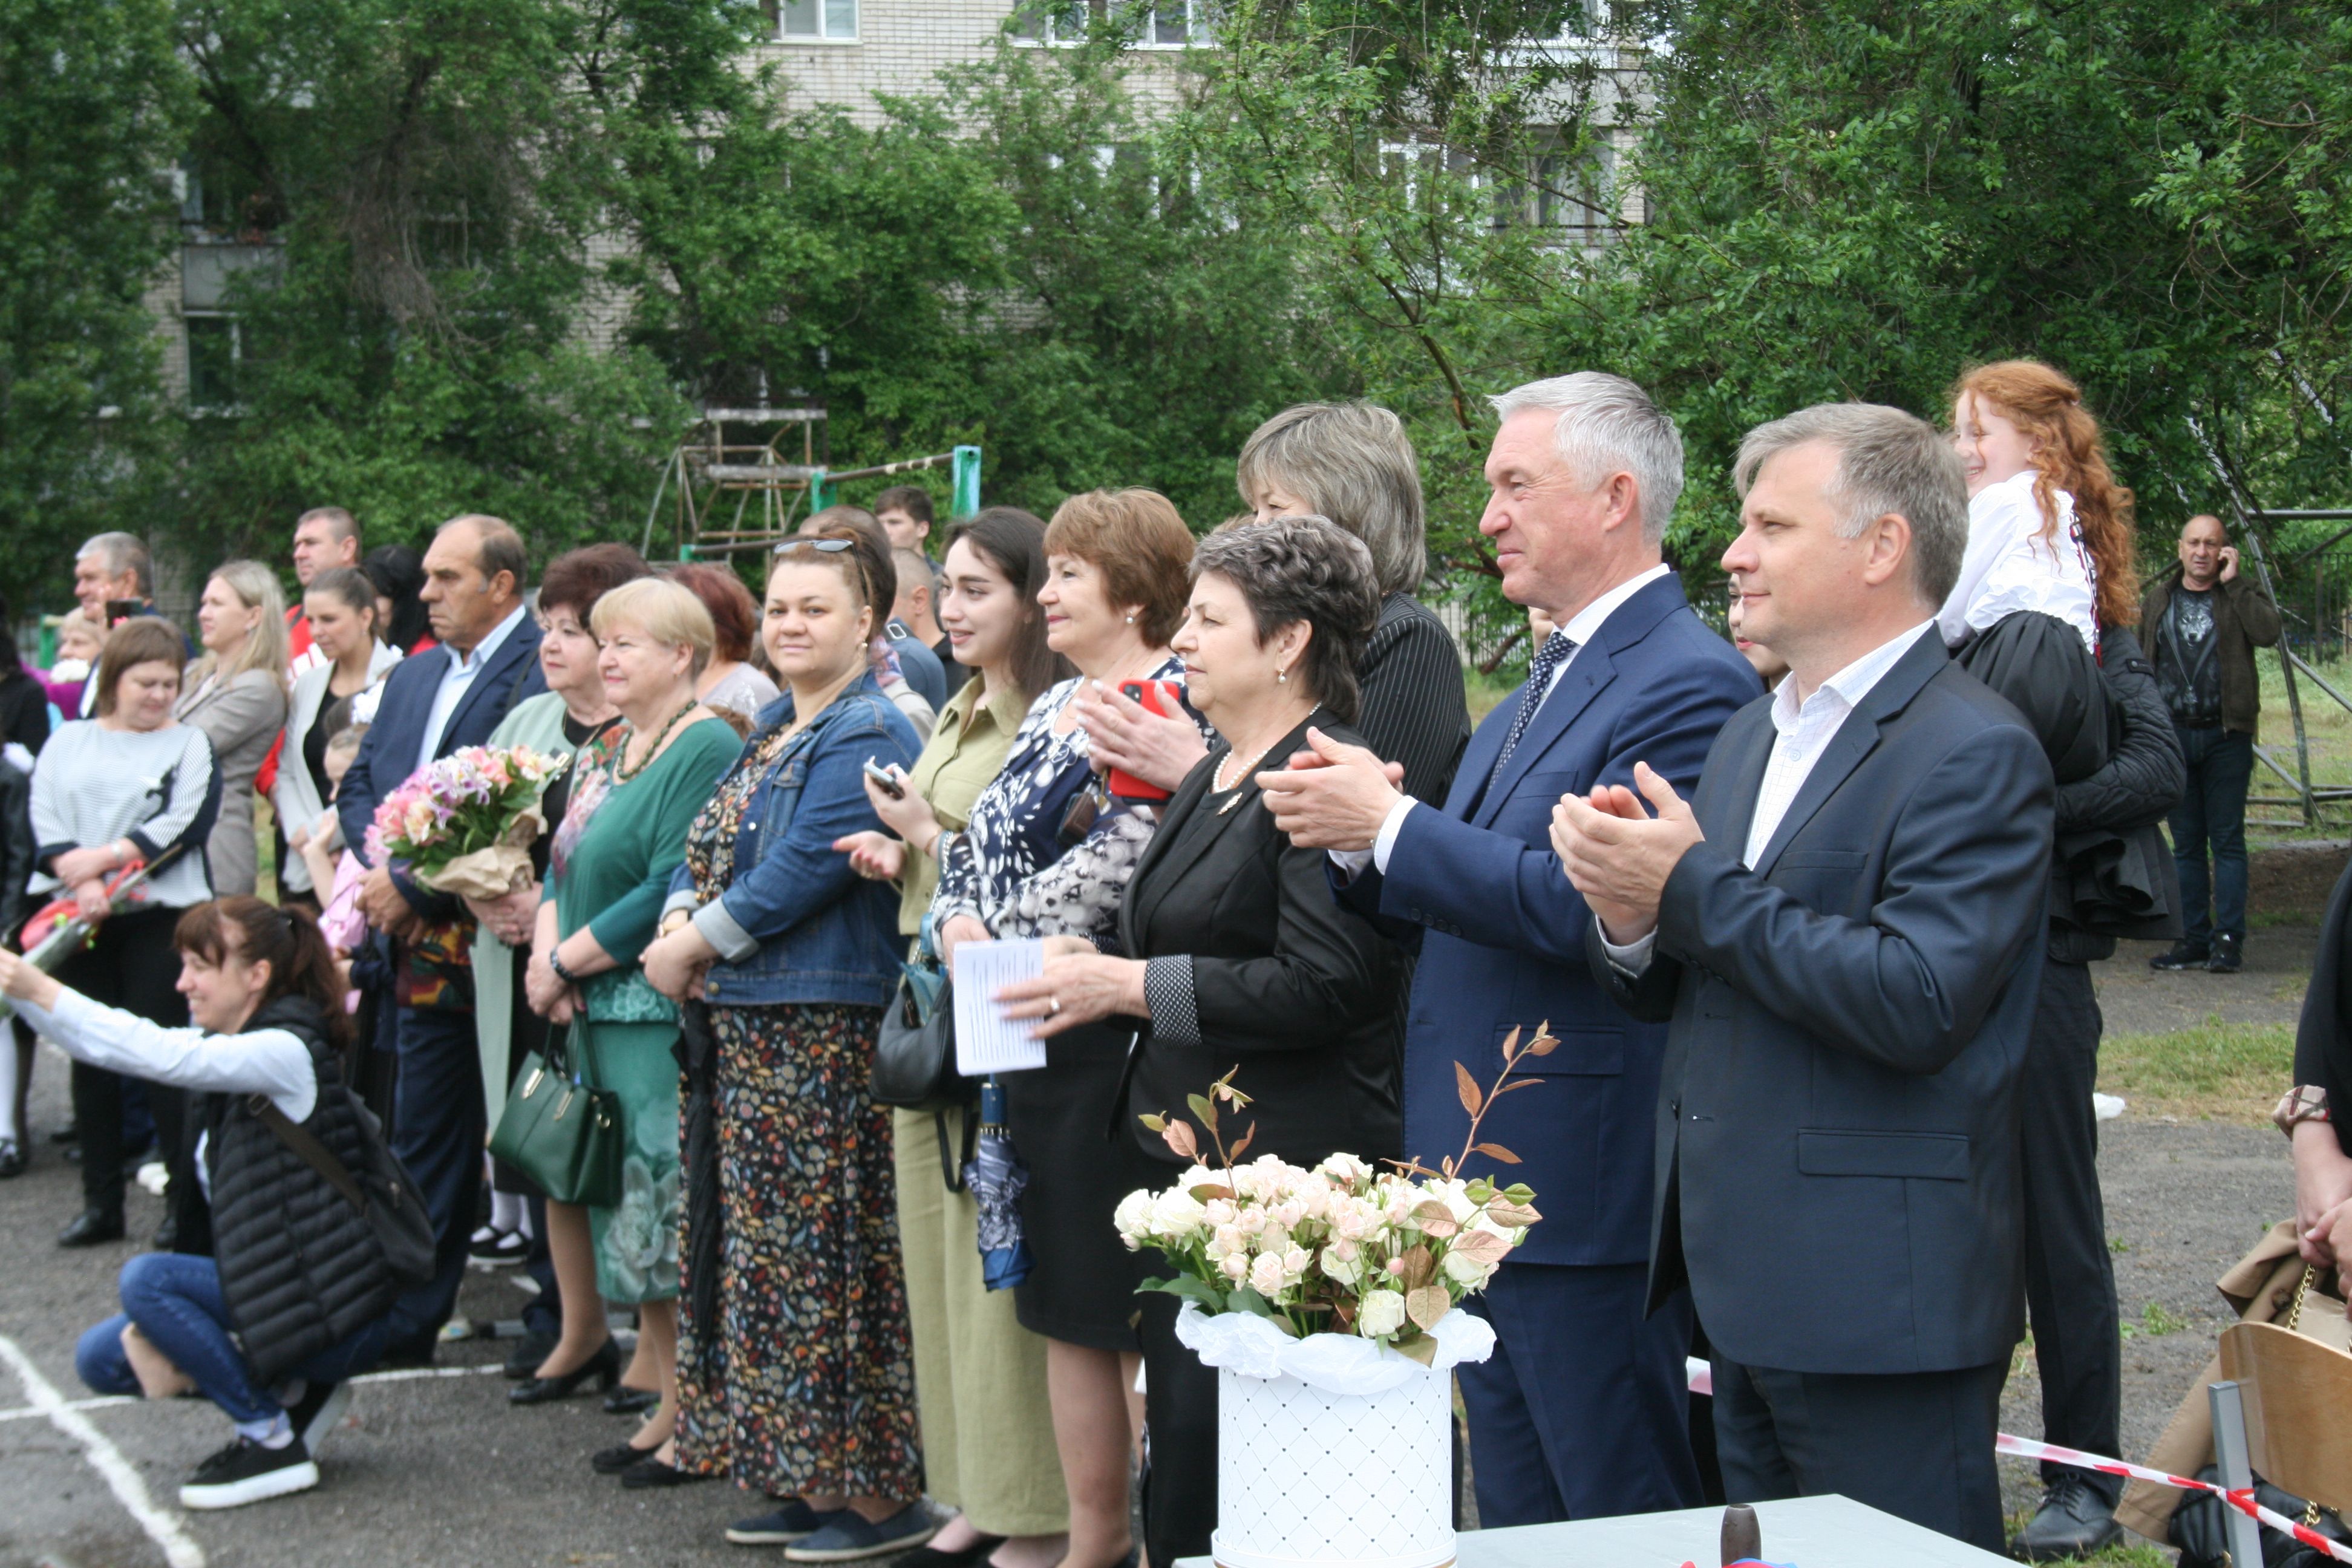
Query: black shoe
{"points": [[969, 1556], [2181, 955], [605, 1366], [408, 1355], [2073, 1520], [627, 1400], [92, 1226], [247, 1472], [651, 1472], [318, 1412], [619, 1458], [2229, 955], [12, 1160], [529, 1351], [495, 1249]]}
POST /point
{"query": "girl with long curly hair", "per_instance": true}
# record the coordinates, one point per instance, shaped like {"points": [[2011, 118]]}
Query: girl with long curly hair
{"points": [[2049, 528]]}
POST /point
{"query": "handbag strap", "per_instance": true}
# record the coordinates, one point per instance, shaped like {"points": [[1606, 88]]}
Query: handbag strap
{"points": [[587, 1038], [312, 1153], [951, 1168]]}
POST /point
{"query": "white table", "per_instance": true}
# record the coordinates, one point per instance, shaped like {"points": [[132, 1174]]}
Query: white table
{"points": [[1810, 1532]]}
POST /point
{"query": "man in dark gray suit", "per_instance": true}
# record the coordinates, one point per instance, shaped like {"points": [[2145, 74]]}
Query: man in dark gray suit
{"points": [[1844, 925]]}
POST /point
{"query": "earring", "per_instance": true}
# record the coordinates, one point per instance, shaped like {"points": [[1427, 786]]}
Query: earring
{"points": [[1283, 675], [1131, 620]]}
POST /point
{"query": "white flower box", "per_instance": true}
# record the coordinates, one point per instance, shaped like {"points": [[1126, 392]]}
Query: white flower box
{"points": [[1331, 1449]]}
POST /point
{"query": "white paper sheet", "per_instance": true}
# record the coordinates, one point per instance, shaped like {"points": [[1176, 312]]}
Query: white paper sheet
{"points": [[986, 1041]]}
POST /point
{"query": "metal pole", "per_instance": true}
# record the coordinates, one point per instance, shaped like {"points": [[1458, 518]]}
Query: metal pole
{"points": [[2243, 1534], [2286, 667]]}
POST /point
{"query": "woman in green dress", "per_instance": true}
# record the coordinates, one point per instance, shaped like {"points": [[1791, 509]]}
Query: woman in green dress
{"points": [[634, 792]]}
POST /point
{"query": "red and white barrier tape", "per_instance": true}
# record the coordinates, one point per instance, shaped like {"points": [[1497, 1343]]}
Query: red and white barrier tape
{"points": [[1702, 1381]]}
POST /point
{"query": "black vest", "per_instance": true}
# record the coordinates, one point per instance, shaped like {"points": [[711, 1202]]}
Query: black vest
{"points": [[300, 1269]]}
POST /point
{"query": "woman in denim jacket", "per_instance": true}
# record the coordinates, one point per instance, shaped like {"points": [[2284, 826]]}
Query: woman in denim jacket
{"points": [[802, 1384]]}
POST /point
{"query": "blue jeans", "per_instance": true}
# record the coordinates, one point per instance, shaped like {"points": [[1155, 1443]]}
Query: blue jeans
{"points": [[176, 1301], [2211, 816]]}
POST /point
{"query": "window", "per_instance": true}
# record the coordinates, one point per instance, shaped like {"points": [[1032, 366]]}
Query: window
{"points": [[213, 355], [1178, 26], [1576, 195], [816, 21], [1048, 24]]}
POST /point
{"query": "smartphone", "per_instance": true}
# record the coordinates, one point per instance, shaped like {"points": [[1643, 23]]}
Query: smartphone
{"points": [[1156, 696], [886, 779]]}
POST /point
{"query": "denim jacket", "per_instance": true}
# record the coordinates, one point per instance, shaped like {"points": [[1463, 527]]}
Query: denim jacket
{"points": [[795, 924]]}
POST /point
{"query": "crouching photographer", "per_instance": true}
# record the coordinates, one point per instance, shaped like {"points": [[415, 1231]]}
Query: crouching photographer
{"points": [[308, 1214]]}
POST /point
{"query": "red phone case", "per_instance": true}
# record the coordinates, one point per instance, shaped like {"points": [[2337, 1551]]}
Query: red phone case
{"points": [[1156, 697]]}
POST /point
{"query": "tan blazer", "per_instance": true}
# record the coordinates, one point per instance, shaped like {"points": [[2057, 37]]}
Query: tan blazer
{"points": [[241, 718]]}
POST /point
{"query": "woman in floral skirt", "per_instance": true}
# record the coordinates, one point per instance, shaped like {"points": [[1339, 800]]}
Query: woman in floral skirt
{"points": [[801, 1384]]}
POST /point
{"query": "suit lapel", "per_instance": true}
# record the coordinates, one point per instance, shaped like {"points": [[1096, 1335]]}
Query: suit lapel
{"points": [[1586, 673], [1726, 811], [496, 674], [1855, 739], [1187, 835]]}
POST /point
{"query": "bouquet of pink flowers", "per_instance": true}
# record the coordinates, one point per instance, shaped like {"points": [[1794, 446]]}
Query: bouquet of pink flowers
{"points": [[465, 824]]}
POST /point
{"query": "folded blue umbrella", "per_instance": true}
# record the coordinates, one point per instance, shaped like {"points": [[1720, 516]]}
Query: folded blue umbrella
{"points": [[995, 1177]]}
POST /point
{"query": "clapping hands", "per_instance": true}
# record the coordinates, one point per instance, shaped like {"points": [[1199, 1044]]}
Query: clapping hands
{"points": [[1619, 856]]}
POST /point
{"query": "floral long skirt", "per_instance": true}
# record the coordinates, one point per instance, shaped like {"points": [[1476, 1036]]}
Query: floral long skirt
{"points": [[806, 1381]]}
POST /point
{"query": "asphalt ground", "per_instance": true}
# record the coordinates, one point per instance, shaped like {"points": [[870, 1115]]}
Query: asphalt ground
{"points": [[437, 1471]]}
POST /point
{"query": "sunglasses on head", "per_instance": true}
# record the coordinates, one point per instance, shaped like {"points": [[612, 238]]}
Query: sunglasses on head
{"points": [[830, 546]]}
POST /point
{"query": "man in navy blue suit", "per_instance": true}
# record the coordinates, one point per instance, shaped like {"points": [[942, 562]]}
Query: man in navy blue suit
{"points": [[438, 702], [1581, 1412]]}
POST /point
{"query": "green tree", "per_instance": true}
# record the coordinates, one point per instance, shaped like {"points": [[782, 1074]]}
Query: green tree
{"points": [[91, 106]]}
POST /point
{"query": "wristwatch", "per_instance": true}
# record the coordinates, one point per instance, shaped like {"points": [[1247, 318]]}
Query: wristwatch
{"points": [[2303, 1102]]}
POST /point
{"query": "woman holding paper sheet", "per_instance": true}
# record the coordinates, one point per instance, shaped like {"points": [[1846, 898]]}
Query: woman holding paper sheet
{"points": [[801, 1383], [1048, 852], [979, 1376], [1235, 952]]}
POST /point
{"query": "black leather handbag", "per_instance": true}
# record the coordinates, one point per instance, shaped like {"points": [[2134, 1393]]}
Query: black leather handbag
{"points": [[914, 1056]]}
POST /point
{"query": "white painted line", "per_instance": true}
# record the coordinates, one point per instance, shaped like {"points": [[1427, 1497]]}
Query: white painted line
{"points": [[28, 1412], [109, 1401], [162, 1528]]}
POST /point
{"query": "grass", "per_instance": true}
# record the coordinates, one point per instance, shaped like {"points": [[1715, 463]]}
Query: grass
{"points": [[2213, 1071]]}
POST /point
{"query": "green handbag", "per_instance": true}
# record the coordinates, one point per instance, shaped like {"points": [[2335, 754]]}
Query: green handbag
{"points": [[562, 1133]]}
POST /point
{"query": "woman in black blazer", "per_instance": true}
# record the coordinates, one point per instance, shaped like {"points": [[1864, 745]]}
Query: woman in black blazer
{"points": [[1237, 954]]}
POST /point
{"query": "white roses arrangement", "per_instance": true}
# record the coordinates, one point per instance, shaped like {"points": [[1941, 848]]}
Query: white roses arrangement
{"points": [[1340, 1248]]}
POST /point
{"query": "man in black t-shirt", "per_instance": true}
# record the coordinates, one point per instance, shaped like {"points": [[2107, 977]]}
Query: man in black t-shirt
{"points": [[2202, 634]]}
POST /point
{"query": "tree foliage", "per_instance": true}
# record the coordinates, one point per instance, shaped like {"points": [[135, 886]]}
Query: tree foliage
{"points": [[510, 245], [91, 110]]}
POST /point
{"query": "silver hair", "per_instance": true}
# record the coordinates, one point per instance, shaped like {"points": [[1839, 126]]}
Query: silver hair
{"points": [[122, 552], [1353, 464], [1889, 461], [1609, 426]]}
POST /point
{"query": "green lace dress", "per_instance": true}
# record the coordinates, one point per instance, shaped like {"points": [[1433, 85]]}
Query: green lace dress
{"points": [[610, 871]]}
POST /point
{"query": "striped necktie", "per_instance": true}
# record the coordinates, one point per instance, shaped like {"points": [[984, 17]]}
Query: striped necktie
{"points": [[1540, 670]]}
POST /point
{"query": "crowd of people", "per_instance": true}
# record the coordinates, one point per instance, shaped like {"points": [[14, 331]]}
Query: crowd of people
{"points": [[1809, 910]]}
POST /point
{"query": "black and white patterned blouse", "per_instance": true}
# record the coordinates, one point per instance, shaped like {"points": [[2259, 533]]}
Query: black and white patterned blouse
{"points": [[1010, 868]]}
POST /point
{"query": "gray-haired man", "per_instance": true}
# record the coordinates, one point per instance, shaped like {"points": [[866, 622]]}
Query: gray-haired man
{"points": [[1844, 925]]}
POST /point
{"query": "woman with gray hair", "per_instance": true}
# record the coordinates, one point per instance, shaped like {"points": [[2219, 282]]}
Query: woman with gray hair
{"points": [[236, 695], [1353, 464], [1236, 949]]}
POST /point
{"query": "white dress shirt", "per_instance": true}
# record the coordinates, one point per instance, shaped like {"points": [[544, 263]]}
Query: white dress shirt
{"points": [[1803, 733], [1580, 629], [457, 680], [272, 1062]]}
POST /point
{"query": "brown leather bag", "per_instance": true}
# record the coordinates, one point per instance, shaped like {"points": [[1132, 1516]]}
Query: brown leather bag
{"points": [[2272, 1284]]}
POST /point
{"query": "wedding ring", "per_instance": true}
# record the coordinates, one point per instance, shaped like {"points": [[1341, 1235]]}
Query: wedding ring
{"points": [[1053, 1005]]}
